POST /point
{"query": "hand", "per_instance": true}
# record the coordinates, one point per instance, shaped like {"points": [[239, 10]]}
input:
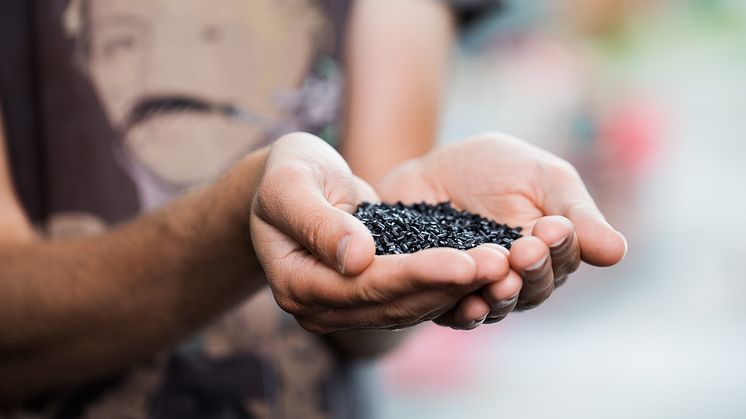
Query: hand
{"points": [[320, 261], [513, 182]]}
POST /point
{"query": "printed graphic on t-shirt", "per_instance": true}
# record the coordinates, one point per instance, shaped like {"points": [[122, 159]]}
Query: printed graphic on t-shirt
{"points": [[191, 86], [157, 96]]}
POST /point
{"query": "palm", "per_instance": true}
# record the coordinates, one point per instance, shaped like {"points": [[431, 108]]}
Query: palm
{"points": [[496, 179], [513, 182]]}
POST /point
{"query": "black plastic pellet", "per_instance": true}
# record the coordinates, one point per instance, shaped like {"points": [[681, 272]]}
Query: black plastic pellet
{"points": [[399, 228]]}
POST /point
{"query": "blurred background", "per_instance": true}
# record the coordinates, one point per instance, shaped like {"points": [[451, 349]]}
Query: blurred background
{"points": [[648, 99]]}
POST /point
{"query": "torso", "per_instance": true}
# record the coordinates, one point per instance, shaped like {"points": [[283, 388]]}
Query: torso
{"points": [[142, 100]]}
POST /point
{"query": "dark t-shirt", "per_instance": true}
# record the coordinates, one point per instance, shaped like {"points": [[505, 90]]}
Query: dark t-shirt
{"points": [[114, 107]]}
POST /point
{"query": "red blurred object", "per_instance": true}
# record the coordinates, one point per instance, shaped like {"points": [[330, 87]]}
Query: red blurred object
{"points": [[630, 134], [438, 360]]}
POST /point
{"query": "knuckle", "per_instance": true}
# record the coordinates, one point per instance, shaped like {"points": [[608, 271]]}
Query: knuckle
{"points": [[300, 299], [567, 267], [313, 230], [294, 298], [288, 304], [371, 295], [534, 301]]}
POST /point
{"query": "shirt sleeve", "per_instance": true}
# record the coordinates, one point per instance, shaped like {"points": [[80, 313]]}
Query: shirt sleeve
{"points": [[469, 11]]}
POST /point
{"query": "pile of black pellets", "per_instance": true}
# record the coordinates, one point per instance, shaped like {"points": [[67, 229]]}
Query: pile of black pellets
{"points": [[400, 228]]}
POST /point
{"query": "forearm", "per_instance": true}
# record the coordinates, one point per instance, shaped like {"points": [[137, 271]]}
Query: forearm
{"points": [[103, 302], [396, 59], [14, 225]]}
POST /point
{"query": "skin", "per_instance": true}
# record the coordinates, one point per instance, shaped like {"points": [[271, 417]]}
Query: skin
{"points": [[13, 222], [119, 297], [78, 328], [106, 301], [364, 291], [397, 69], [189, 261], [507, 179]]}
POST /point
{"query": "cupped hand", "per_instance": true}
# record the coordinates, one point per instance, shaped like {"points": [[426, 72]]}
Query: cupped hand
{"points": [[320, 261], [513, 182]]}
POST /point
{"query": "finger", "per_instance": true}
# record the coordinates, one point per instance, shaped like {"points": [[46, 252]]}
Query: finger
{"points": [[565, 194], [308, 202], [467, 315], [502, 296], [600, 244], [529, 257], [427, 269], [387, 279], [492, 268], [491, 261], [559, 234], [365, 192], [405, 312], [334, 236], [502, 288]]}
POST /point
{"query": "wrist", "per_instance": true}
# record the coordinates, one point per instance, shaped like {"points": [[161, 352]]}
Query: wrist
{"points": [[239, 187], [228, 206]]}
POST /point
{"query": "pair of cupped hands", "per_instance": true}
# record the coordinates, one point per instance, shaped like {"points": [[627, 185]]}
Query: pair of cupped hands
{"points": [[320, 261]]}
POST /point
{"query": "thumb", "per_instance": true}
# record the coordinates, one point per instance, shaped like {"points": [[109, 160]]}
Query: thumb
{"points": [[336, 237], [600, 244], [311, 203]]}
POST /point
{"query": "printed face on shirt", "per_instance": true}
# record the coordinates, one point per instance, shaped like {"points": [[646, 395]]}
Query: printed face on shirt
{"points": [[193, 85]]}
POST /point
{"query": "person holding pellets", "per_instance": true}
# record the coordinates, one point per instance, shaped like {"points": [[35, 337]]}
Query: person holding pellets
{"points": [[171, 246]]}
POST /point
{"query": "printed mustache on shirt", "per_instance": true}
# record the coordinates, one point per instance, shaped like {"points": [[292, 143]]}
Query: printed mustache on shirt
{"points": [[155, 106]]}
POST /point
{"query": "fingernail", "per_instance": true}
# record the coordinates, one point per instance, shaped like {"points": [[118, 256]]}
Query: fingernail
{"points": [[476, 323], [526, 306], [342, 253], [559, 243], [538, 265], [505, 303], [491, 320], [626, 246]]}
